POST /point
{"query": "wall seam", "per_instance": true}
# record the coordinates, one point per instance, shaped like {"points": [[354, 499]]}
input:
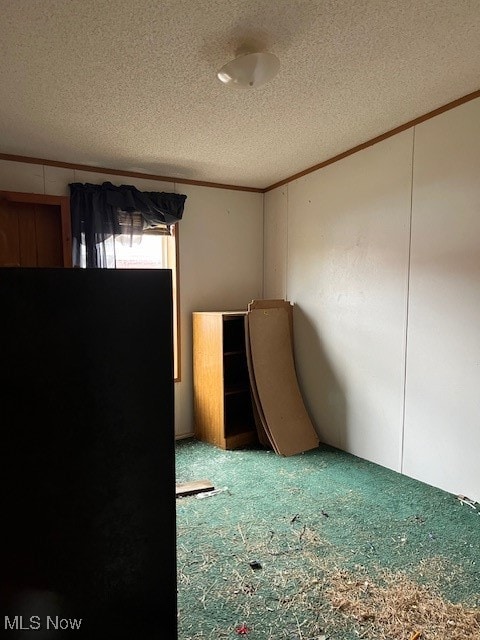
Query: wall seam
{"points": [[264, 243], [285, 284], [407, 306]]}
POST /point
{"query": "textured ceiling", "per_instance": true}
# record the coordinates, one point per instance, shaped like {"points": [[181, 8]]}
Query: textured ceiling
{"points": [[131, 84]]}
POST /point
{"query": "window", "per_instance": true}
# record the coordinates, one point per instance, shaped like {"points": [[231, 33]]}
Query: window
{"points": [[154, 249], [115, 227]]}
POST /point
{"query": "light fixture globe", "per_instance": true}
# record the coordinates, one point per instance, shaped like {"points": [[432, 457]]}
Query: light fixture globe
{"points": [[249, 70]]}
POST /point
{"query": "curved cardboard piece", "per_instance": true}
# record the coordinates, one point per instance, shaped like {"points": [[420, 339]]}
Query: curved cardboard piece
{"points": [[286, 417], [275, 303], [264, 437]]}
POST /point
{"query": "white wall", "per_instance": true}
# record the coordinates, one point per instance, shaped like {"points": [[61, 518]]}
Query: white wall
{"points": [[220, 242], [348, 235], [346, 252], [275, 242], [442, 421], [221, 264]]}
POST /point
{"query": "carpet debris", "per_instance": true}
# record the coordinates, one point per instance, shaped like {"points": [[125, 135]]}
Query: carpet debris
{"points": [[394, 604]]}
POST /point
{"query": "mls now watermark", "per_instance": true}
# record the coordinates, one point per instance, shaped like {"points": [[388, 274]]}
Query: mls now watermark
{"points": [[33, 623]]}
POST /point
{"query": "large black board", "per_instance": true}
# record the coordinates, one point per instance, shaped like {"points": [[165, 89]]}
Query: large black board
{"points": [[87, 472]]}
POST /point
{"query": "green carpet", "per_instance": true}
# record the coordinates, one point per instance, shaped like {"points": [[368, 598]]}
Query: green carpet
{"points": [[303, 519]]}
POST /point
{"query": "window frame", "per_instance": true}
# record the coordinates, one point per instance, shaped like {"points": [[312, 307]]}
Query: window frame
{"points": [[176, 305], [175, 296], [177, 352]]}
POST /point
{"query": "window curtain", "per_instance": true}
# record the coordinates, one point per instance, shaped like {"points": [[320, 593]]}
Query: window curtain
{"points": [[100, 212]]}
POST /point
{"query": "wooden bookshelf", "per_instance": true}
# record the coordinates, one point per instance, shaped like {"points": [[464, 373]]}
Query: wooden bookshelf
{"points": [[223, 413]]}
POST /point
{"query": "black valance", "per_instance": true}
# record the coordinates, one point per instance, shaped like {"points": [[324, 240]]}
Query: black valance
{"points": [[158, 208], [98, 212]]}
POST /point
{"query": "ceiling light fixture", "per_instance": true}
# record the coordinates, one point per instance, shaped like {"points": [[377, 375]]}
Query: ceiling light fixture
{"points": [[249, 70]]}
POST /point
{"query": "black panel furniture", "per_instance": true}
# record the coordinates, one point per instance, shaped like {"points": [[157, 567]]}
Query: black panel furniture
{"points": [[87, 480]]}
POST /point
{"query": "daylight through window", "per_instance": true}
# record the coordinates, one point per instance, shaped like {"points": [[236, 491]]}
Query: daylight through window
{"points": [[153, 249]]}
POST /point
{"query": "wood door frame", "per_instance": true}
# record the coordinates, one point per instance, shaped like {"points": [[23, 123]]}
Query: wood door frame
{"points": [[63, 202]]}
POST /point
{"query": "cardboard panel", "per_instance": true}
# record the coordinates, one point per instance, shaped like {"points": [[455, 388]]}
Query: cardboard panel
{"points": [[275, 303], [276, 381], [263, 432]]}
